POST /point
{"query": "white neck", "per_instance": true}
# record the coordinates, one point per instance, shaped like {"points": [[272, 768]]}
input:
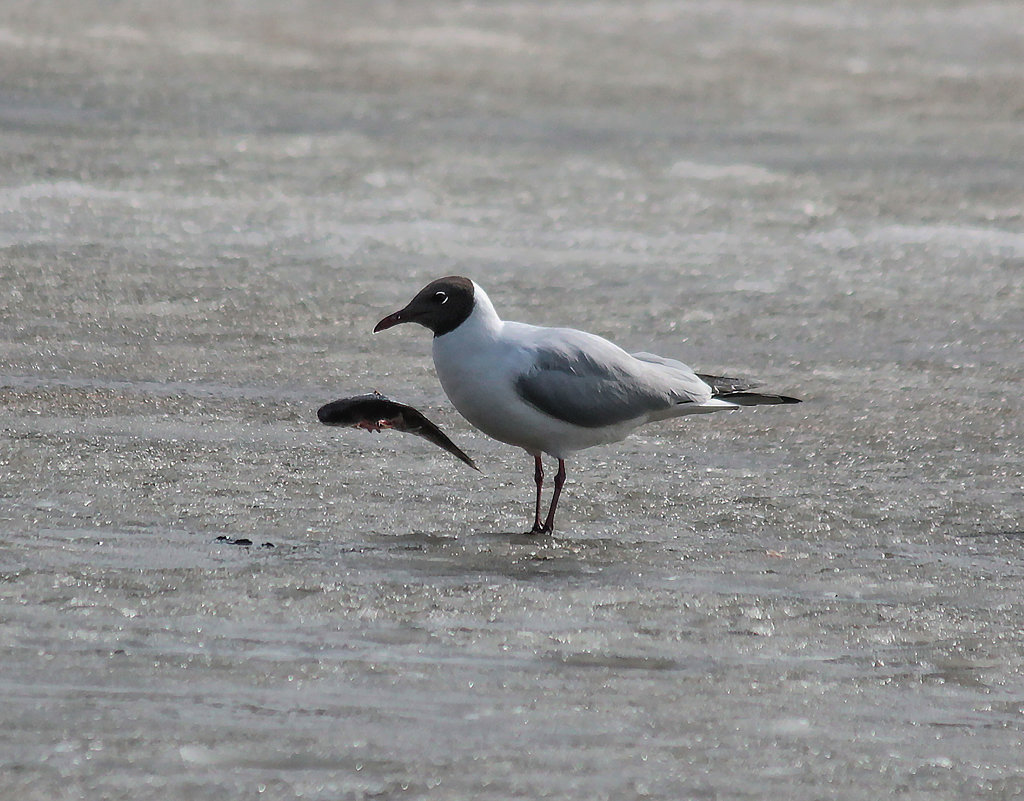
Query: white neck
{"points": [[483, 317]]}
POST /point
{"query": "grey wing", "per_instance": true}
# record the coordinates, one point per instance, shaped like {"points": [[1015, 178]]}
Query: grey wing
{"points": [[587, 381], [686, 381]]}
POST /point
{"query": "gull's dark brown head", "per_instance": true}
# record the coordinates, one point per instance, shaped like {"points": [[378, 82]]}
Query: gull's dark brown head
{"points": [[441, 306]]}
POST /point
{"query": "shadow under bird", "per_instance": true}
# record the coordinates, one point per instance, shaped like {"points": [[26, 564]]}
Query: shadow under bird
{"points": [[554, 390], [375, 412]]}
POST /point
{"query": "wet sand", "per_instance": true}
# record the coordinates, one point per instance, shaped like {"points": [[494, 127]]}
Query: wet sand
{"points": [[205, 208]]}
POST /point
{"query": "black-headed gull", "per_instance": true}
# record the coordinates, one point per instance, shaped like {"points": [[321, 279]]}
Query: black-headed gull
{"points": [[554, 390]]}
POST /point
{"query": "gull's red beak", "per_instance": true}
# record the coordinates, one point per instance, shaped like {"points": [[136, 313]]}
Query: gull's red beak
{"points": [[390, 320]]}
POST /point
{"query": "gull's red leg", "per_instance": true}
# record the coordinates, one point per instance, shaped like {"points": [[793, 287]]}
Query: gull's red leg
{"points": [[538, 477], [549, 524]]}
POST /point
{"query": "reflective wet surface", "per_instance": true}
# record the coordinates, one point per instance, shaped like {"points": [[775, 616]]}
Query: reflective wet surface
{"points": [[204, 209]]}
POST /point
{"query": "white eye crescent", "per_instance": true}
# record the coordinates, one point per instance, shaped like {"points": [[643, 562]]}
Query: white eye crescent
{"points": [[441, 297]]}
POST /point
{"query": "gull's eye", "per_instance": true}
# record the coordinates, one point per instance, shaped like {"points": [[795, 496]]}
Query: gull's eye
{"points": [[440, 297]]}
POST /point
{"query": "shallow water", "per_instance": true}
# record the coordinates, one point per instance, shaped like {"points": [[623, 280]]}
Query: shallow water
{"points": [[203, 211]]}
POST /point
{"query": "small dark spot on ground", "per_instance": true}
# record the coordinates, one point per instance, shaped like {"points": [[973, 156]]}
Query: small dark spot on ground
{"points": [[238, 541]]}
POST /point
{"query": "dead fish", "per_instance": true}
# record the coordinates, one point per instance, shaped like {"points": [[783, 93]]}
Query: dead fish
{"points": [[375, 412]]}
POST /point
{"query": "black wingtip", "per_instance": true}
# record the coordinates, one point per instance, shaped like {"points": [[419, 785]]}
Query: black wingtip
{"points": [[755, 398]]}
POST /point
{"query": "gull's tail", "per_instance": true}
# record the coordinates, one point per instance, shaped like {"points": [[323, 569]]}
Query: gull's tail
{"points": [[737, 391]]}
